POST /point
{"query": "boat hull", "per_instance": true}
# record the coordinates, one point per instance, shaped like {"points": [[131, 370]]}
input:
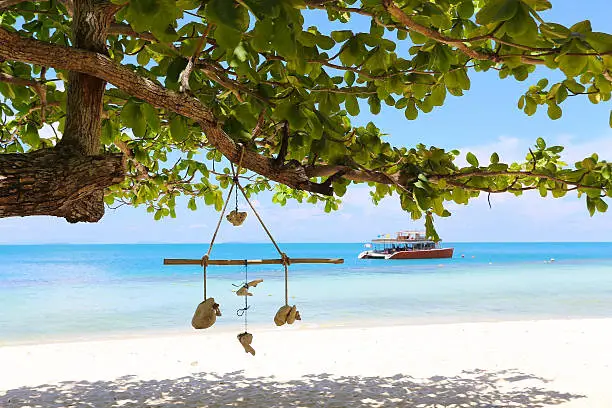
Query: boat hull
{"points": [[423, 254], [436, 253]]}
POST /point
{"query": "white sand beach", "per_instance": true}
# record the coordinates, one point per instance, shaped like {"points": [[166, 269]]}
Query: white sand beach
{"points": [[560, 363]]}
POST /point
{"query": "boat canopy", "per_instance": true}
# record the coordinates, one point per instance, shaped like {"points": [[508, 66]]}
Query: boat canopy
{"points": [[408, 236]]}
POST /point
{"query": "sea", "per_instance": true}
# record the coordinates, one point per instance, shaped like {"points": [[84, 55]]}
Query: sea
{"points": [[54, 293]]}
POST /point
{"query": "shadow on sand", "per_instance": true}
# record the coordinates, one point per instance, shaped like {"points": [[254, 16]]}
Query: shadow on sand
{"points": [[473, 389]]}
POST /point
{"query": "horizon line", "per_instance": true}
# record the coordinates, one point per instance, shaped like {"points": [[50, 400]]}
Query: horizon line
{"points": [[282, 242]]}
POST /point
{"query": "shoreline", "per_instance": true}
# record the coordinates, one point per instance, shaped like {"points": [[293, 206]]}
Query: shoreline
{"points": [[565, 363], [227, 327]]}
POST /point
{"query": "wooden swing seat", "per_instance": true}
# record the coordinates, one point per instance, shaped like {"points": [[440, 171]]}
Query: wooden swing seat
{"points": [[278, 261]]}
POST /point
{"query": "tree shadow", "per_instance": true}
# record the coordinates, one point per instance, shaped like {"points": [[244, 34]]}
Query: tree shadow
{"points": [[471, 389]]}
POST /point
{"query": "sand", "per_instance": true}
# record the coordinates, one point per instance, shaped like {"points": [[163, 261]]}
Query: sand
{"points": [[561, 363]]}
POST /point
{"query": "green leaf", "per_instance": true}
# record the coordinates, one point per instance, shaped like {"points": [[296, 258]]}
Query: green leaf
{"points": [[151, 116], [228, 13], [352, 105], [31, 135], [494, 158], [342, 35], [573, 86], [496, 11], [601, 205], [178, 129], [430, 230], [192, 204], [465, 9], [554, 31], [133, 117], [143, 57], [601, 42], [438, 95], [374, 103], [572, 65], [582, 27], [351, 52], [471, 159], [522, 24], [349, 78], [411, 111], [231, 19], [554, 111], [227, 37]]}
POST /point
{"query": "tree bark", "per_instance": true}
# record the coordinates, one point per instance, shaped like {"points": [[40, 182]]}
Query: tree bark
{"points": [[84, 102], [52, 182]]}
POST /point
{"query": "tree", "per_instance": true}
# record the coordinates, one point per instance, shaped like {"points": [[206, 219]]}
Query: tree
{"points": [[150, 84]]}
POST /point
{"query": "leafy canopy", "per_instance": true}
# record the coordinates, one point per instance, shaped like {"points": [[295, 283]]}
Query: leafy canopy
{"points": [[285, 89]]}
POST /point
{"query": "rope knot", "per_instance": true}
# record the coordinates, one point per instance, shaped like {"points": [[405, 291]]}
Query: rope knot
{"points": [[204, 261], [285, 259]]}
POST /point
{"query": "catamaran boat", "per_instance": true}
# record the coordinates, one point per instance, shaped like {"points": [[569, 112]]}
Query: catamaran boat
{"points": [[406, 245]]}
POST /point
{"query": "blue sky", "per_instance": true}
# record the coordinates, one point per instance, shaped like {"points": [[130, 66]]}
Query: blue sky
{"points": [[486, 119]]}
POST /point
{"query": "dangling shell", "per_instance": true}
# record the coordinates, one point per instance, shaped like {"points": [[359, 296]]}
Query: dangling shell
{"points": [[246, 339], [281, 316], [236, 217], [243, 291], [205, 314]]}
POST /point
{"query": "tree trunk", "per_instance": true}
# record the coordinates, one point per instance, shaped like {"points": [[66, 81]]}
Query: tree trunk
{"points": [[52, 182], [84, 98], [90, 22]]}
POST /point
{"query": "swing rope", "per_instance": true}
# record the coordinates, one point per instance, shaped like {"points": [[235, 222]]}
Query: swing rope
{"points": [[284, 257], [227, 200], [236, 183]]}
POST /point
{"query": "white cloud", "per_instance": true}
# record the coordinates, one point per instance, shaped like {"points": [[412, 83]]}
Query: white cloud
{"points": [[197, 226], [512, 148]]}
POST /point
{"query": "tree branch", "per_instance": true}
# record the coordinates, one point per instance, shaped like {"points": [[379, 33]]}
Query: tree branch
{"points": [[8, 3], [294, 175], [404, 19], [126, 29], [50, 182], [460, 43], [141, 169], [13, 47]]}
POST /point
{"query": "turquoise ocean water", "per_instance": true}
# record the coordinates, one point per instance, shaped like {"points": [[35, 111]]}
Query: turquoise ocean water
{"points": [[56, 292]]}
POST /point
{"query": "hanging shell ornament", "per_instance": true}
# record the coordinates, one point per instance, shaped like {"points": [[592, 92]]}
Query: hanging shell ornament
{"points": [[244, 290], [236, 217], [287, 314], [245, 340], [206, 314]]}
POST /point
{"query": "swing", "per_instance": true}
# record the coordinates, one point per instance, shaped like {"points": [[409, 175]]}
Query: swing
{"points": [[208, 310]]}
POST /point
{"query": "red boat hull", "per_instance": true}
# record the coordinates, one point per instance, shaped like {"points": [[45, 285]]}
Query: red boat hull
{"points": [[423, 254]]}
